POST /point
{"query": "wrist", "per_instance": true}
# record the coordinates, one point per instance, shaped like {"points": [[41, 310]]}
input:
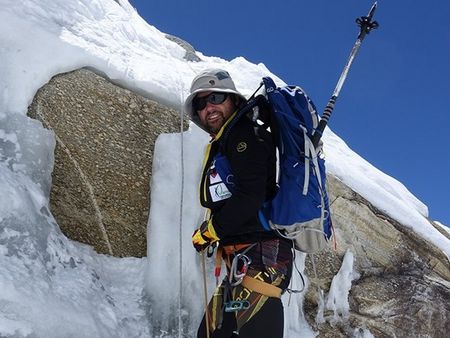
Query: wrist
{"points": [[208, 232]]}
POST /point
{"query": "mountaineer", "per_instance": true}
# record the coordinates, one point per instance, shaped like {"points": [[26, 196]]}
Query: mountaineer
{"points": [[239, 175]]}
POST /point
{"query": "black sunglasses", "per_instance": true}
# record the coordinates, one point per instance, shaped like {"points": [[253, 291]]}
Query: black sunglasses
{"points": [[199, 103]]}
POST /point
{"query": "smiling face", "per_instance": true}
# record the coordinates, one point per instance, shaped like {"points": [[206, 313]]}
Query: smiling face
{"points": [[214, 115]]}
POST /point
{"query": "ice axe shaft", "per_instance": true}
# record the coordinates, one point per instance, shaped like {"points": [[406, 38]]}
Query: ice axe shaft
{"points": [[366, 25]]}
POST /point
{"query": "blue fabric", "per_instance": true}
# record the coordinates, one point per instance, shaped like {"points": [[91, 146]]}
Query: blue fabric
{"points": [[223, 168], [292, 108]]}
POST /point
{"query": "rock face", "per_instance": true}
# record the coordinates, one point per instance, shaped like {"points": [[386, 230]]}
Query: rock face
{"points": [[190, 51], [105, 138], [403, 289]]}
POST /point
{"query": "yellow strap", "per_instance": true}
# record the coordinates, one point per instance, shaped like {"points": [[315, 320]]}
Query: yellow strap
{"points": [[261, 287]]}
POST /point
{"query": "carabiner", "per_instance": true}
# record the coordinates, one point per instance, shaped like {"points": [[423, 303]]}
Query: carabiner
{"points": [[236, 276]]}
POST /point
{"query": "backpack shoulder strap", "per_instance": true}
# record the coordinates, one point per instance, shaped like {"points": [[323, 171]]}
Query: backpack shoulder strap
{"points": [[257, 101]]}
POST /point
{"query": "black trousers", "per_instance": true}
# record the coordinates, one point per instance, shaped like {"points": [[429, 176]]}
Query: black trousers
{"points": [[267, 323]]}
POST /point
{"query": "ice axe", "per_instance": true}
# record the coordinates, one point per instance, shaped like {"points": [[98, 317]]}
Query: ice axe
{"points": [[366, 25]]}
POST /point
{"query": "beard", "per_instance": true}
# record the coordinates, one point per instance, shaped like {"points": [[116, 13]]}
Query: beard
{"points": [[213, 126]]}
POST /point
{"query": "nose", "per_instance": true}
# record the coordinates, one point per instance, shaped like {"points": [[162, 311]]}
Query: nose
{"points": [[209, 106]]}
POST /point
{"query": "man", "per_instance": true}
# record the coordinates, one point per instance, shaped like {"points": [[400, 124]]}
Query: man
{"points": [[239, 175]]}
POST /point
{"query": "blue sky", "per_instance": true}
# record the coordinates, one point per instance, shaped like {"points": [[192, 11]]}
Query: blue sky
{"points": [[393, 109]]}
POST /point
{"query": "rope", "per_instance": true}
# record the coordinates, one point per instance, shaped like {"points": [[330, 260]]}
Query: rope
{"points": [[180, 236], [205, 290]]}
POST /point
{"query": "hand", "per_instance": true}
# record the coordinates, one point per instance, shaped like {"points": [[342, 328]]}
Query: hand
{"points": [[204, 236]]}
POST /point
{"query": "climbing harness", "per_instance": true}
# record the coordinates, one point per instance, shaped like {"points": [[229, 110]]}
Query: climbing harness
{"points": [[237, 275]]}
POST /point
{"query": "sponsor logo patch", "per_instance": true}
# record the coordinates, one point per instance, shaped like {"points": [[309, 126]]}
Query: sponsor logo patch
{"points": [[219, 192]]}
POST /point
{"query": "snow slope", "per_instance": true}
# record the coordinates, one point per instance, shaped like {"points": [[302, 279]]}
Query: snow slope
{"points": [[53, 287]]}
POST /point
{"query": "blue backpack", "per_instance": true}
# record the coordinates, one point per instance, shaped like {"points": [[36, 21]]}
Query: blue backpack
{"points": [[300, 209]]}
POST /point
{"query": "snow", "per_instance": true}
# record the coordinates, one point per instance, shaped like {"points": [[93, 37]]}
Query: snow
{"points": [[163, 234], [54, 287], [337, 299], [295, 322], [445, 228]]}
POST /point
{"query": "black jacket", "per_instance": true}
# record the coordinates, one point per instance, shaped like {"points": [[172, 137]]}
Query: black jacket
{"points": [[252, 159]]}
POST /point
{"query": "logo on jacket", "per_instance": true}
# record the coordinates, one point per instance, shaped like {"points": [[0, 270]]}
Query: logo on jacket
{"points": [[241, 147], [219, 192]]}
